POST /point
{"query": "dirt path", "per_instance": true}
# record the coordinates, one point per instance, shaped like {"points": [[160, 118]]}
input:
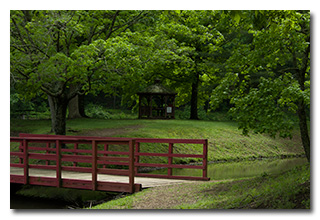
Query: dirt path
{"points": [[110, 132]]}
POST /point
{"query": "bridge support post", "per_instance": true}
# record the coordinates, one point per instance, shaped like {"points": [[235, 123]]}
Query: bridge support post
{"points": [[58, 164], [94, 166], [205, 159], [137, 150], [75, 147], [25, 161], [170, 159], [106, 148], [47, 152], [131, 166]]}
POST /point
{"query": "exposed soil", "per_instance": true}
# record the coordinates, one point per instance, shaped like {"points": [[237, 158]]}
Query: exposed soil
{"points": [[15, 133], [166, 197], [109, 132], [221, 187]]}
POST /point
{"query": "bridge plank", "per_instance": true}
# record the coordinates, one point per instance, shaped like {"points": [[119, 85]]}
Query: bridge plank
{"points": [[146, 182]]}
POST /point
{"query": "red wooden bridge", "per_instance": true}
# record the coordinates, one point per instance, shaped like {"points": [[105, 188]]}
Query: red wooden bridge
{"points": [[98, 163]]}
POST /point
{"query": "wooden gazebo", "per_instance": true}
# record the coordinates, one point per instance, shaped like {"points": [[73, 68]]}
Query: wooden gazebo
{"points": [[157, 102]]}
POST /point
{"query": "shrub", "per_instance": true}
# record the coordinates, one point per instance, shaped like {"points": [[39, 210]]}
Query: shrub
{"points": [[184, 113], [97, 111]]}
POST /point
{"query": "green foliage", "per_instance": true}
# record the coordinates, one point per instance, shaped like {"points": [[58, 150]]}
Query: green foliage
{"points": [[184, 113], [264, 110], [18, 104], [20, 107], [268, 77], [51, 50], [260, 61], [186, 43], [100, 112], [96, 111], [63, 54]]}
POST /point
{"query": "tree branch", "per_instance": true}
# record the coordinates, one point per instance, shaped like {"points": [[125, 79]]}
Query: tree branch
{"points": [[46, 90], [112, 25], [19, 34], [127, 24], [133, 21]]}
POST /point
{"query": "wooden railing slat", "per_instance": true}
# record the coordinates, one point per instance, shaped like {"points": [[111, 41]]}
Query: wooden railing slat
{"points": [[58, 154]]}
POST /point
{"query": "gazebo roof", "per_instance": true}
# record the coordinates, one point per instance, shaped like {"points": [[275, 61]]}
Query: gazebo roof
{"points": [[157, 88]]}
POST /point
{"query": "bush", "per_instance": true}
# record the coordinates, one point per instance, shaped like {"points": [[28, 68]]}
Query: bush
{"points": [[98, 111], [184, 113], [35, 108]]}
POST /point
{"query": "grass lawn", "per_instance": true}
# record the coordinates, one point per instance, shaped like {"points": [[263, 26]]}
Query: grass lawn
{"points": [[226, 142], [288, 190]]}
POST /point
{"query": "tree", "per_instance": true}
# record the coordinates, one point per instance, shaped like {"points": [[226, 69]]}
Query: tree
{"points": [[186, 43], [64, 53], [280, 55]]}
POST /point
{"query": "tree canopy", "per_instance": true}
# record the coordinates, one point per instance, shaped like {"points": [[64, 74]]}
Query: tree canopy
{"points": [[257, 61], [66, 53], [268, 79]]}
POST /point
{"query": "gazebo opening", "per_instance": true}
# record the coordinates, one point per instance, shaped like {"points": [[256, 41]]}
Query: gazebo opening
{"points": [[157, 102]]}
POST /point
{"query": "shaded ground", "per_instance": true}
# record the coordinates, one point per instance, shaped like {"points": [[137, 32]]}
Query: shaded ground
{"points": [[104, 132], [110, 132]]}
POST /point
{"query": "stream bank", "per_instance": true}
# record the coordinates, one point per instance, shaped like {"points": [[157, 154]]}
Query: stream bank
{"points": [[36, 197], [42, 197]]}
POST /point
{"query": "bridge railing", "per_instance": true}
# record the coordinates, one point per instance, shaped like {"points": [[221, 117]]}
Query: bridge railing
{"points": [[170, 145], [170, 155], [60, 153]]}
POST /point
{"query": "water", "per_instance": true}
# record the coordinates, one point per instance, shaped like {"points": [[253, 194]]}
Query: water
{"points": [[24, 202], [41, 197], [233, 170], [216, 171]]}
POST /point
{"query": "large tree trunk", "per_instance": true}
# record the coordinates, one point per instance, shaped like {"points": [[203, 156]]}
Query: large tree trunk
{"points": [[82, 106], [301, 76], [52, 111], [194, 98], [304, 129], [58, 108], [73, 107]]}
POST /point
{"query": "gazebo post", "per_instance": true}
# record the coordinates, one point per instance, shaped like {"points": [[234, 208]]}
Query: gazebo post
{"points": [[164, 98], [173, 106], [165, 106]]}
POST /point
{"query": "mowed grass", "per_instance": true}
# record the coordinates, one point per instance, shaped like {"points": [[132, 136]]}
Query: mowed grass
{"points": [[288, 190], [282, 191], [226, 141]]}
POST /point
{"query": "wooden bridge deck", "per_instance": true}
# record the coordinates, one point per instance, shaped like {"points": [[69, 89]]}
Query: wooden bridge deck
{"points": [[146, 182], [112, 164]]}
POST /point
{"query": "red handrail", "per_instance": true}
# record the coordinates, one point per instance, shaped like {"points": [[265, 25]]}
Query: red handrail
{"points": [[169, 155], [61, 155]]}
